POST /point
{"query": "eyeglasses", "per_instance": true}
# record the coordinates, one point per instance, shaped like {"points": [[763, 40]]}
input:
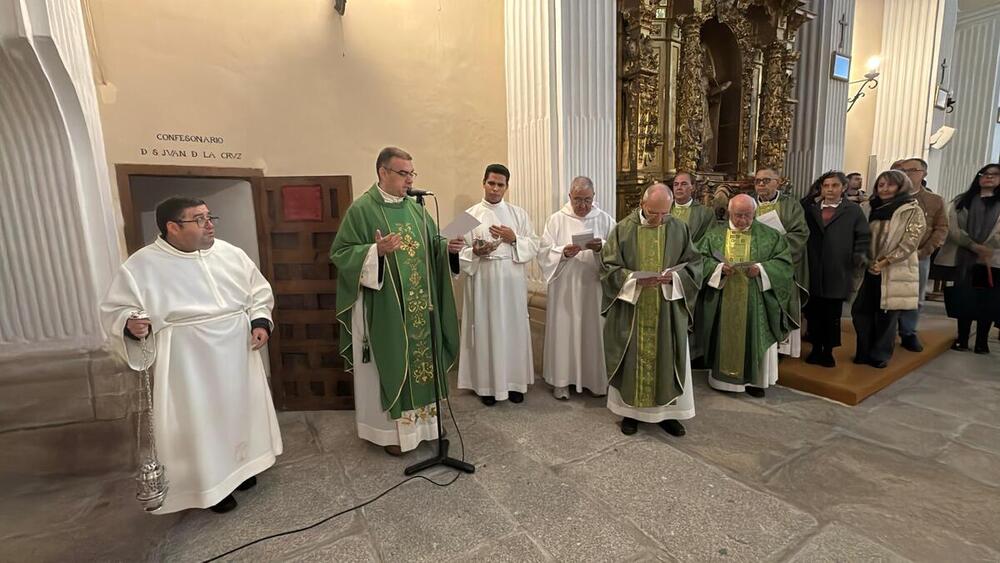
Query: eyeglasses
{"points": [[402, 173], [763, 181], [202, 220], [912, 170], [990, 175]]}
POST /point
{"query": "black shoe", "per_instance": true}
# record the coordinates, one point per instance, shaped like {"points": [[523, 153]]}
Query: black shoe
{"points": [[673, 427], [960, 346], [224, 505], [879, 364], [248, 484], [827, 360], [516, 397], [488, 400], [629, 426], [755, 392], [912, 343], [984, 349], [815, 357], [394, 450]]}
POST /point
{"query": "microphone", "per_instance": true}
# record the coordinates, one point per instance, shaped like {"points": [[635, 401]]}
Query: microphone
{"points": [[414, 192]]}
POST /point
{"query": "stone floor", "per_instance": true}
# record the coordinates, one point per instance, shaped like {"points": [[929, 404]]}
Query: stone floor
{"points": [[913, 473]]}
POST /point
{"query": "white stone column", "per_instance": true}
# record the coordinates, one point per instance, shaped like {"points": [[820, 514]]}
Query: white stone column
{"points": [[911, 38], [976, 82], [560, 102], [818, 129]]}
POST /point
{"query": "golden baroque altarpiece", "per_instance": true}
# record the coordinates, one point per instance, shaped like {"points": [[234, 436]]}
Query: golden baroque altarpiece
{"points": [[703, 86]]}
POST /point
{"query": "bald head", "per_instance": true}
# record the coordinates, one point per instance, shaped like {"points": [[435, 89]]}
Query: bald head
{"points": [[656, 202], [742, 209]]}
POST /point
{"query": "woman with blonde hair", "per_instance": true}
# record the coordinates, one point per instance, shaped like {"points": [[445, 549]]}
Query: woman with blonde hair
{"points": [[891, 283], [969, 261]]}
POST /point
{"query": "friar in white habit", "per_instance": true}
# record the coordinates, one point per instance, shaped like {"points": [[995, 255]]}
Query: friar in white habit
{"points": [[209, 313], [574, 344], [495, 360]]}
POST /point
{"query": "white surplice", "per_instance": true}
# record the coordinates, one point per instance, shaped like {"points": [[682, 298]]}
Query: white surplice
{"points": [[213, 418], [574, 343], [373, 422], [682, 407], [769, 363], [495, 356]]}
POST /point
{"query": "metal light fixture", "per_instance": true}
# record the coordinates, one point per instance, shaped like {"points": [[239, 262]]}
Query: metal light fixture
{"points": [[870, 80]]}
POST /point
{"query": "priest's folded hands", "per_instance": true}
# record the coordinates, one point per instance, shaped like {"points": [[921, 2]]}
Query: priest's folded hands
{"points": [[654, 281]]}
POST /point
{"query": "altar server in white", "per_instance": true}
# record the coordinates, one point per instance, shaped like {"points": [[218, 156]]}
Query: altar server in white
{"points": [[209, 313], [495, 360], [574, 344]]}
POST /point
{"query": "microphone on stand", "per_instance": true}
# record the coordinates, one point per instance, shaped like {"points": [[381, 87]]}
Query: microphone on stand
{"points": [[414, 192]]}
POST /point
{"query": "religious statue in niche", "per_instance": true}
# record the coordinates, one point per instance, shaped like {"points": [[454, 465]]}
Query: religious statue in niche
{"points": [[711, 102]]}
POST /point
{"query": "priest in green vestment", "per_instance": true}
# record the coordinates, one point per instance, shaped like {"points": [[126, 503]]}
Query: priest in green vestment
{"points": [[744, 311], [387, 279], [651, 277], [778, 209], [696, 216]]}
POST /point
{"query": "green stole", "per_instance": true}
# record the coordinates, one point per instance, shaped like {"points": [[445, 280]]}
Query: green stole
{"points": [[651, 244], [733, 324], [414, 297]]}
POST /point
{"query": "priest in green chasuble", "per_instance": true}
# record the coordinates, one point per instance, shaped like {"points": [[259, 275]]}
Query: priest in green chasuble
{"points": [[744, 309], [652, 274], [781, 211], [696, 216], [384, 290]]}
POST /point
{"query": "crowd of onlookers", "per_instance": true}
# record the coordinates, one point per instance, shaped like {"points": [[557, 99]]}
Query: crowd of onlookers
{"points": [[881, 248]]}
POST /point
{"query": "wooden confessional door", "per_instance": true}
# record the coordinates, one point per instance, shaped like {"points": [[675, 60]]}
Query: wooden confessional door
{"points": [[301, 215]]}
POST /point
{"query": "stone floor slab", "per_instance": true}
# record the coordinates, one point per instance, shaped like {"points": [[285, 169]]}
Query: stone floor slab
{"points": [[983, 466], [909, 428], [562, 520], [920, 508], [981, 437], [837, 543], [421, 522], [693, 510], [517, 548]]}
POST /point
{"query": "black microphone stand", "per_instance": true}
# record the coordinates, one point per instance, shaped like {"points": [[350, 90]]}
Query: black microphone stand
{"points": [[442, 454]]}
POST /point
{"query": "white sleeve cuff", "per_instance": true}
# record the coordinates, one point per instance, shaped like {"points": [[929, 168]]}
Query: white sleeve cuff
{"points": [[674, 290], [716, 280], [369, 271], [630, 291], [765, 282]]}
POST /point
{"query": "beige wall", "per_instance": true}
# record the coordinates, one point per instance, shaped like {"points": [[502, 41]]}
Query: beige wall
{"points": [[867, 41], [298, 89]]}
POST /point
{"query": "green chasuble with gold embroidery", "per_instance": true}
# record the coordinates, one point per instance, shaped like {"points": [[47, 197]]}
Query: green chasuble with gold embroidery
{"points": [[645, 345], [738, 323], [697, 217], [398, 332], [793, 220]]}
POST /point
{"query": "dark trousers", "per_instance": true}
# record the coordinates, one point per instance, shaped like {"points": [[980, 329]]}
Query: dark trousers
{"points": [[823, 316], [876, 328], [982, 331]]}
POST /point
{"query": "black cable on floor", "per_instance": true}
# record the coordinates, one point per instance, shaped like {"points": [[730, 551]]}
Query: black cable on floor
{"points": [[362, 505]]}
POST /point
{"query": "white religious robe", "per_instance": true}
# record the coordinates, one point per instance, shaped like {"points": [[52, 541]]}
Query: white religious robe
{"points": [[213, 419], [769, 363], [373, 422], [682, 407], [495, 356], [574, 343]]}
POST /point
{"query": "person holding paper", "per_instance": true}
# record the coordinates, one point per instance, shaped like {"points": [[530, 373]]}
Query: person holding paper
{"points": [[571, 263], [696, 216], [496, 360], [383, 293], [745, 306], [652, 275], [782, 212]]}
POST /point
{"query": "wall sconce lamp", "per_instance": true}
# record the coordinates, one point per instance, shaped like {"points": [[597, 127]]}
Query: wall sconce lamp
{"points": [[870, 81]]}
